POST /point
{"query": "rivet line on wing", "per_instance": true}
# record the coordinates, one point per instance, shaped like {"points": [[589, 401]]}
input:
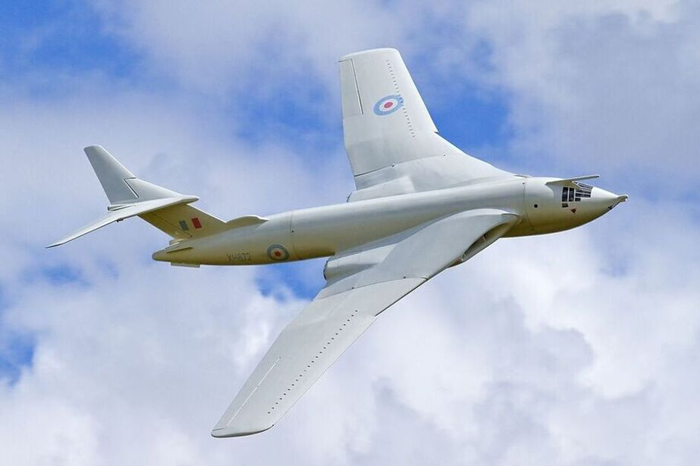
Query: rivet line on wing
{"points": [[313, 361]]}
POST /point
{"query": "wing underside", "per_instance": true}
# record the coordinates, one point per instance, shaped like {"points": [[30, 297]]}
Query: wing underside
{"points": [[303, 351], [361, 284], [391, 140]]}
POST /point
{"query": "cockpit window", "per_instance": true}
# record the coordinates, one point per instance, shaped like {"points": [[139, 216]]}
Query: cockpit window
{"points": [[581, 191]]}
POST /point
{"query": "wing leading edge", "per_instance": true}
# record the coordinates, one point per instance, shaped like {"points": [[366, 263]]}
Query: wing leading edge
{"points": [[363, 283]]}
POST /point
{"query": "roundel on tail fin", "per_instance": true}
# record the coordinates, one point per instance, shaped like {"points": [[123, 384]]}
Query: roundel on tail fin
{"points": [[388, 105]]}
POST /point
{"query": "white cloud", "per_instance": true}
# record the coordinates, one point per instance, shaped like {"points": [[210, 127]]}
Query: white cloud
{"points": [[573, 349], [217, 46], [597, 85]]}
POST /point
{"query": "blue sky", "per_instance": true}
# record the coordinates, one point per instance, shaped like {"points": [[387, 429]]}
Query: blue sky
{"points": [[576, 348], [48, 37], [67, 38]]}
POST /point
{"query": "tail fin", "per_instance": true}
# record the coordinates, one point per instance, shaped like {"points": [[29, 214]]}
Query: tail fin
{"points": [[129, 196]]}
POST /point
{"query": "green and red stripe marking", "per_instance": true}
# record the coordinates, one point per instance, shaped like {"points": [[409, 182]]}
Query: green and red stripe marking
{"points": [[195, 223]]}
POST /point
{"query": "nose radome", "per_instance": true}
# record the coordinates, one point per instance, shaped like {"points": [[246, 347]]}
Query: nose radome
{"points": [[607, 199]]}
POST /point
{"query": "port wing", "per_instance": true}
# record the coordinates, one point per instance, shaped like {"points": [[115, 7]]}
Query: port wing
{"points": [[361, 284]]}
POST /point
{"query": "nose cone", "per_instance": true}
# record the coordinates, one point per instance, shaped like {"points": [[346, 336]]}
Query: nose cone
{"points": [[605, 200]]}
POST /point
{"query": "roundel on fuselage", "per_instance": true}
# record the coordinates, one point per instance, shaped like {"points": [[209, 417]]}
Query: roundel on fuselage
{"points": [[277, 252]]}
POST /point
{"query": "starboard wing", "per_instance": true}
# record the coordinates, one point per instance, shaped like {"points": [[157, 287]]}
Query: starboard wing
{"points": [[390, 138], [361, 284]]}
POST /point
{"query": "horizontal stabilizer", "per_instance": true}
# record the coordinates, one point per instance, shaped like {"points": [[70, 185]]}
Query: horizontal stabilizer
{"points": [[129, 196], [125, 211]]}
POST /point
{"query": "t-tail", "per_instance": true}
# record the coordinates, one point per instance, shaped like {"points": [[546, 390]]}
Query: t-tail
{"points": [[129, 196]]}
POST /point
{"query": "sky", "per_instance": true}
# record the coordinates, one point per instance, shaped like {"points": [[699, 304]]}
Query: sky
{"points": [[578, 348]]}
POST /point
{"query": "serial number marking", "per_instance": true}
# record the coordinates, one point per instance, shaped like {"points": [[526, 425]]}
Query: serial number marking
{"points": [[239, 258]]}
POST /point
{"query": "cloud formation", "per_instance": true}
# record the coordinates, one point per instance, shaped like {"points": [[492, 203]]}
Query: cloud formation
{"points": [[598, 85]]}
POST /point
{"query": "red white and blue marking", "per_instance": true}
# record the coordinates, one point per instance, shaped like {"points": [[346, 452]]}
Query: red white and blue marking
{"points": [[388, 105]]}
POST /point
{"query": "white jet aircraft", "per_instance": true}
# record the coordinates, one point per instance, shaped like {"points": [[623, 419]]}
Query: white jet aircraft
{"points": [[421, 206]]}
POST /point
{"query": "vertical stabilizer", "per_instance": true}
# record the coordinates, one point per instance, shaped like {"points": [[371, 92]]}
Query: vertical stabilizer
{"points": [[112, 175], [129, 196]]}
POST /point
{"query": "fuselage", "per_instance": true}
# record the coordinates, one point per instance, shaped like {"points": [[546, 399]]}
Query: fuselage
{"points": [[322, 231]]}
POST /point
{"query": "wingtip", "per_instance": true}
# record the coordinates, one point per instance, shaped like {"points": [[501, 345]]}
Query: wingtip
{"points": [[227, 432], [62, 241], [369, 52], [58, 243], [93, 147]]}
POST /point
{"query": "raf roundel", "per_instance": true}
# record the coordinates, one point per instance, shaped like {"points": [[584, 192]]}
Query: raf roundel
{"points": [[388, 105], [277, 252]]}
